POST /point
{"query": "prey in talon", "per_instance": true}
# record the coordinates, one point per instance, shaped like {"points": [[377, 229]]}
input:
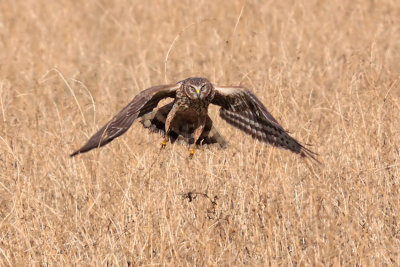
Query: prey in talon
{"points": [[185, 119]]}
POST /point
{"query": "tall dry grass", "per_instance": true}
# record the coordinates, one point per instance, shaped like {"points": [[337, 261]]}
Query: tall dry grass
{"points": [[327, 70]]}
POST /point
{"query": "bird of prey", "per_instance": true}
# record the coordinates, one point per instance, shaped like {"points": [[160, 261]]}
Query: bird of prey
{"points": [[186, 118]]}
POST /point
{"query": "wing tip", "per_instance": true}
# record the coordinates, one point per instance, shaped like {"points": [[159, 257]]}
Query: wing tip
{"points": [[307, 153], [74, 153]]}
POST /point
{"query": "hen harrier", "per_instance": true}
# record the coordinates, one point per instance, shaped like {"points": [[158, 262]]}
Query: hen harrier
{"points": [[186, 117]]}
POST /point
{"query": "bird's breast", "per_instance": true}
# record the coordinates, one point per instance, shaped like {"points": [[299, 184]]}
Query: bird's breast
{"points": [[185, 104]]}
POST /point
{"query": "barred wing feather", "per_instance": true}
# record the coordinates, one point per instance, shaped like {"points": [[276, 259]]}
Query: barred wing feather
{"points": [[242, 109]]}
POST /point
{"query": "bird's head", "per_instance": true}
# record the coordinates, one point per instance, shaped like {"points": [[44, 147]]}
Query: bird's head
{"points": [[197, 88]]}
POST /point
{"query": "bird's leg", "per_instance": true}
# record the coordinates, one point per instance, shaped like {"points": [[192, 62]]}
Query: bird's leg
{"points": [[196, 134], [168, 121], [165, 140]]}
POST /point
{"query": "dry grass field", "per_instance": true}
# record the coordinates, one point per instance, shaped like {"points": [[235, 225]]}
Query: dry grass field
{"points": [[327, 70]]}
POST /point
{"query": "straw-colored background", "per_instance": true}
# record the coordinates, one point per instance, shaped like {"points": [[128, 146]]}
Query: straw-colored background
{"points": [[327, 70]]}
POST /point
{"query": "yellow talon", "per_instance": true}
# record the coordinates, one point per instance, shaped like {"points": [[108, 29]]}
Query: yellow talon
{"points": [[164, 143], [191, 150]]}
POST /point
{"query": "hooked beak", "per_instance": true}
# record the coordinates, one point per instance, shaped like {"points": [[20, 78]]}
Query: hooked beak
{"points": [[198, 92]]}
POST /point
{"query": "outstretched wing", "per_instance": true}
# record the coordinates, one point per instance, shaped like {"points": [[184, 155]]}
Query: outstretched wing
{"points": [[242, 109], [143, 103]]}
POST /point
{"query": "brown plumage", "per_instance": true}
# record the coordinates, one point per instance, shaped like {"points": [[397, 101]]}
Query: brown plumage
{"points": [[186, 118], [155, 122]]}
